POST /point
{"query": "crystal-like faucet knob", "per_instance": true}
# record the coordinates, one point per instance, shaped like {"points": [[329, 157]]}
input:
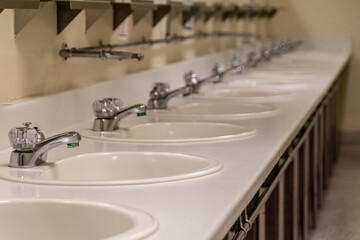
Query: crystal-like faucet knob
{"points": [[160, 90], [191, 78], [107, 107], [25, 138]]}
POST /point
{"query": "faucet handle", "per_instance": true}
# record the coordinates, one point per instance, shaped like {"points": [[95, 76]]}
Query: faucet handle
{"points": [[25, 138], [107, 107], [191, 78], [160, 90], [218, 71]]}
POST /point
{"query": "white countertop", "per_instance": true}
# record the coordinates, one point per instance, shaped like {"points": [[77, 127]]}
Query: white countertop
{"points": [[199, 208]]}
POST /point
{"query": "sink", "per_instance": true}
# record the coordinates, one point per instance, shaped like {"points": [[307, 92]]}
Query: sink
{"points": [[247, 94], [260, 82], [173, 132], [44, 219], [287, 74], [275, 83], [115, 168], [215, 111]]}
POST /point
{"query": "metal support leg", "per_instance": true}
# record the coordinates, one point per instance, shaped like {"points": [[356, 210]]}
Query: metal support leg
{"points": [[326, 166], [315, 163], [262, 223], [321, 156], [305, 188], [295, 213], [281, 204]]}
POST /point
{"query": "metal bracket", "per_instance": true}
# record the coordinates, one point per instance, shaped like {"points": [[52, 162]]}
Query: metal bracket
{"points": [[241, 13], [19, 4], [177, 8], [189, 13], [138, 8], [24, 11], [121, 12], [208, 12], [158, 14], [22, 17], [218, 10], [141, 8], [229, 12], [94, 9], [65, 14]]}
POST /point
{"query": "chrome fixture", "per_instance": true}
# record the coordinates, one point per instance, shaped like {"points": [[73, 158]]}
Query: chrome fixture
{"points": [[236, 65], [170, 39], [102, 54], [194, 83], [31, 147], [161, 94], [265, 54], [109, 112]]}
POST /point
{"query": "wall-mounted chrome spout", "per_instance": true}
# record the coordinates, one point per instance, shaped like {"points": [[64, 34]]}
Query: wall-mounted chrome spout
{"points": [[161, 94], [102, 54], [171, 39], [109, 112], [31, 147]]}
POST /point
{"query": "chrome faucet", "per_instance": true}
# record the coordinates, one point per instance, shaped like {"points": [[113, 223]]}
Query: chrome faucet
{"points": [[102, 54], [265, 54], [161, 94], [218, 73], [252, 59], [236, 65], [109, 112], [194, 83], [31, 147]]}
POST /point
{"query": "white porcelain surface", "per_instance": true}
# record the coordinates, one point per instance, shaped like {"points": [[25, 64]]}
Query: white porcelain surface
{"points": [[71, 220], [248, 94], [115, 168], [216, 111], [173, 132], [274, 82]]}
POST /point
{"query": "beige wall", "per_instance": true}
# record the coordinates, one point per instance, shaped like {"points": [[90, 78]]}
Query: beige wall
{"points": [[30, 64], [327, 18]]}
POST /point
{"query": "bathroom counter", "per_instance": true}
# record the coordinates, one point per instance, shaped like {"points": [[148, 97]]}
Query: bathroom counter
{"points": [[199, 208]]}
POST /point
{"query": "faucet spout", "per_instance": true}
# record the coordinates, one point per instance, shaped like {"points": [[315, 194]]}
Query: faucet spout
{"points": [[139, 109], [71, 139], [161, 94]]}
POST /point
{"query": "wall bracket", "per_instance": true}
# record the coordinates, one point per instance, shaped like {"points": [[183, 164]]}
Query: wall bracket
{"points": [[64, 14], [94, 9], [189, 13], [161, 11], [138, 8], [24, 11]]}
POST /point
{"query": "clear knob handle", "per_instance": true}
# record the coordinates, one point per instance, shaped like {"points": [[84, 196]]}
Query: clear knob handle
{"points": [[107, 108], [25, 138], [191, 78], [160, 90]]}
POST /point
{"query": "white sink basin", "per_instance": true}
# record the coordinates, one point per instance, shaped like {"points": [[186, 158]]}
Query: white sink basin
{"points": [[115, 168], [173, 132], [244, 94], [215, 111], [72, 220], [290, 74], [274, 83]]}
